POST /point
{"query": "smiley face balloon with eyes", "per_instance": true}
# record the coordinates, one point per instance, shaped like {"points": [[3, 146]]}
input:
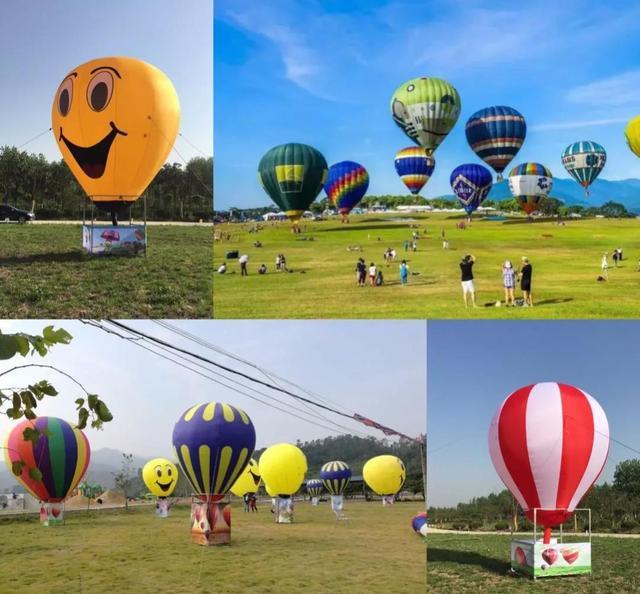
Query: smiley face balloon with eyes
{"points": [[115, 121], [161, 476]]}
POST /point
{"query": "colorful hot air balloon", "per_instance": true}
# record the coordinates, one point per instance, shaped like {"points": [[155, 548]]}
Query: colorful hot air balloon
{"points": [[293, 175], [471, 183], [496, 134], [315, 487], [549, 443], [346, 185], [584, 161], [248, 481], [385, 474], [426, 109], [61, 453], [632, 135], [335, 476], [283, 467], [160, 476], [415, 167], [419, 523], [530, 183], [115, 121]]}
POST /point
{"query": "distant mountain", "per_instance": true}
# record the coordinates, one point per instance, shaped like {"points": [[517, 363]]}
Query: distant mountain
{"points": [[625, 191]]}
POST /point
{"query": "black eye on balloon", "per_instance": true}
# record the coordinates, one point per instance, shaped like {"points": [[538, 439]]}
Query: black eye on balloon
{"points": [[100, 90], [168, 471], [65, 95], [159, 473], [410, 88]]}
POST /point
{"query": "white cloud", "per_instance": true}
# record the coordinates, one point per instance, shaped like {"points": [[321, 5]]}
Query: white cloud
{"points": [[615, 91]]}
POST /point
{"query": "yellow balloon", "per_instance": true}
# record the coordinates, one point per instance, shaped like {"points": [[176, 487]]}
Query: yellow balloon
{"points": [[384, 475], [283, 467], [161, 476], [270, 491], [632, 134], [248, 481], [115, 121]]}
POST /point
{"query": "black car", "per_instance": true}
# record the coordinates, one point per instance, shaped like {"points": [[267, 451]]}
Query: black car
{"points": [[10, 213]]}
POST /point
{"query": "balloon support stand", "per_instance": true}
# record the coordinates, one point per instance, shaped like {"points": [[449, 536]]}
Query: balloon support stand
{"points": [[284, 510], [535, 559], [210, 522]]}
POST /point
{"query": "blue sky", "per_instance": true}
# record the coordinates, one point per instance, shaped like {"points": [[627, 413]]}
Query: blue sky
{"points": [[341, 361], [44, 40], [474, 366], [322, 72]]}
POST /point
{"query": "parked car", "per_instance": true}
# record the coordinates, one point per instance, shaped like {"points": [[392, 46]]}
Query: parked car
{"points": [[10, 213]]}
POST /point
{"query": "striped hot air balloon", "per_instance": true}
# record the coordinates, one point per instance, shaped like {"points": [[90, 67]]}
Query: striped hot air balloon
{"points": [[496, 134], [549, 443], [584, 161], [61, 453], [415, 167], [314, 487], [335, 476], [530, 183], [346, 185], [213, 443]]}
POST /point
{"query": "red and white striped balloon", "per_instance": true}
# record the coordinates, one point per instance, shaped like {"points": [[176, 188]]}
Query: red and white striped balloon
{"points": [[549, 443]]}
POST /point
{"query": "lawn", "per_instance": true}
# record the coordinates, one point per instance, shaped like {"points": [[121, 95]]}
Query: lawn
{"points": [[566, 263], [374, 551], [45, 273], [468, 564]]}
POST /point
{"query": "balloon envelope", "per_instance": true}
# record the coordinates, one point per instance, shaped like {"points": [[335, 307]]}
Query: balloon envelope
{"points": [[530, 183], [160, 476], [315, 487], [293, 175], [346, 185], [632, 135], [335, 476], [419, 523], [213, 443], [496, 134], [248, 481], [415, 167], [385, 474], [115, 120], [283, 467], [426, 109], [549, 443], [61, 455], [471, 183], [584, 161]]}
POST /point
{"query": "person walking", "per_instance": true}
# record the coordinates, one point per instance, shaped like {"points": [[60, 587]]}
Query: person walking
{"points": [[605, 266], [466, 278], [404, 273], [372, 274], [509, 283], [244, 260], [525, 282]]}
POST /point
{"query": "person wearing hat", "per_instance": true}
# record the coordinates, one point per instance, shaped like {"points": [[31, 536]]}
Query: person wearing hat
{"points": [[509, 283], [525, 281]]}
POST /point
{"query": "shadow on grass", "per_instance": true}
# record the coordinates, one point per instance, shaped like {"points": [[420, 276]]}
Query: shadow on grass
{"points": [[51, 258], [364, 227], [536, 304], [492, 564]]}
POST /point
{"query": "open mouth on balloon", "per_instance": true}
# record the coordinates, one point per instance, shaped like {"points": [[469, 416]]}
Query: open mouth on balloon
{"points": [[164, 486], [256, 478], [93, 159]]}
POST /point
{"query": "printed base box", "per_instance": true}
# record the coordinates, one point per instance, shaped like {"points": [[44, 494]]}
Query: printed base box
{"points": [[119, 240], [284, 510], [52, 514], [537, 559], [210, 523]]}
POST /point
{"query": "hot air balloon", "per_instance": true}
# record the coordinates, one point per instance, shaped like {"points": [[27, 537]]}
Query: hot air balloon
{"points": [[530, 183], [346, 185], [632, 135], [213, 444], [61, 454], [496, 134], [549, 443], [385, 476], [584, 161], [426, 109], [161, 477], [283, 467], [335, 477], [248, 481], [293, 175], [115, 121], [315, 488], [419, 523], [471, 183], [415, 167]]}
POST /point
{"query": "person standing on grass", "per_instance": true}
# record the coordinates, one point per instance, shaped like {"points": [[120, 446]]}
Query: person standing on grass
{"points": [[615, 258], [509, 283], [372, 274], [605, 266], [404, 273], [361, 273], [278, 263], [466, 277], [525, 282], [244, 260]]}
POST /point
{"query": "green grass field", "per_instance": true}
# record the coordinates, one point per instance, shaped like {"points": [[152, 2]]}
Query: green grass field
{"points": [[105, 552], [469, 564], [566, 262], [45, 273]]}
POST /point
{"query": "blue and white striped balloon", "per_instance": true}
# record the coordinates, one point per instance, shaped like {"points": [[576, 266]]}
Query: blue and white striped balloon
{"points": [[584, 160]]}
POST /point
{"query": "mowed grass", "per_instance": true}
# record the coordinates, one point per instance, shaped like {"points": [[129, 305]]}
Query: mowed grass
{"points": [[468, 564], [566, 263], [45, 273], [105, 552]]}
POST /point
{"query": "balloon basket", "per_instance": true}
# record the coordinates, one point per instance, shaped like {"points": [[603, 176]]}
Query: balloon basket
{"points": [[315, 500], [284, 510], [210, 523], [535, 559], [52, 514], [162, 508]]}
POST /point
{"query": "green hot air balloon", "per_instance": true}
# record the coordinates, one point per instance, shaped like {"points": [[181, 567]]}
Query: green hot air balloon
{"points": [[293, 175], [426, 109]]}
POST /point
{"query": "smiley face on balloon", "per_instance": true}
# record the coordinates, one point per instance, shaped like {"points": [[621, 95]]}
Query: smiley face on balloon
{"points": [[115, 121], [161, 476]]}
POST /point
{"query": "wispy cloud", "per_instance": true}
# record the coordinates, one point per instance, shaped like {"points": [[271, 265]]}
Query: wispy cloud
{"points": [[577, 124], [615, 91]]}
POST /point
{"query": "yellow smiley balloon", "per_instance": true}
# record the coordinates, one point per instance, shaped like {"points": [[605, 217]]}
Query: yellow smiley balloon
{"points": [[115, 121], [161, 476], [248, 481]]}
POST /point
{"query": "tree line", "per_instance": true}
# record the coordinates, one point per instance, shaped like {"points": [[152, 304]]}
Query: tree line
{"points": [[31, 182]]}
